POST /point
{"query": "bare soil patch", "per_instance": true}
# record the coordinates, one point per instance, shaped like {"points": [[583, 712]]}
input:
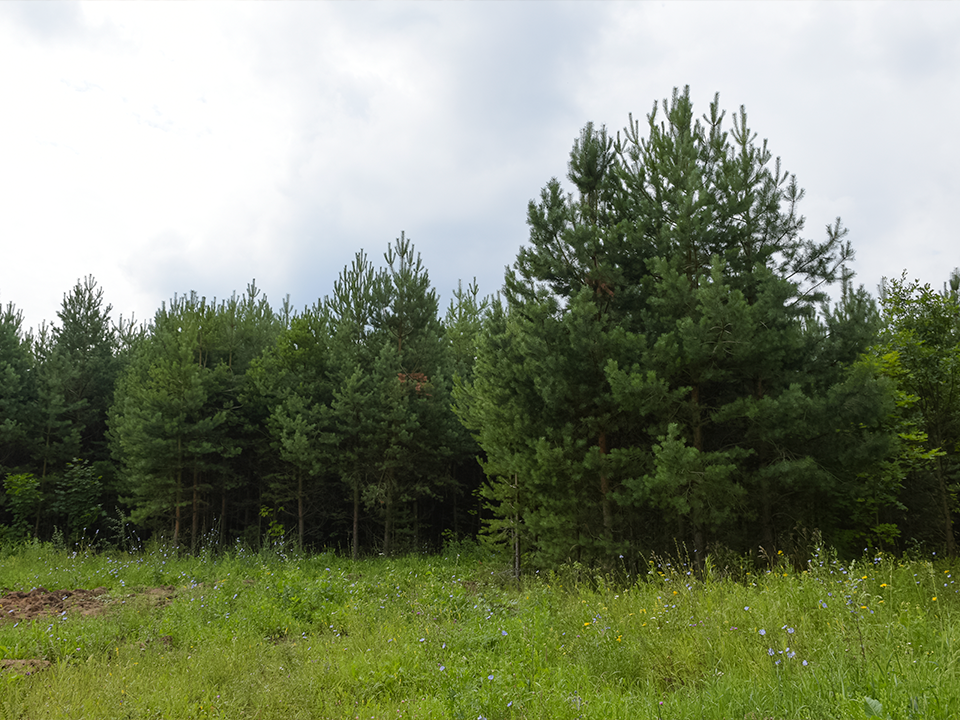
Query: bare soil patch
{"points": [[24, 667], [40, 602]]}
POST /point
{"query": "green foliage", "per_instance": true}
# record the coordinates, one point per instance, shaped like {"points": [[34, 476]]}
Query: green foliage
{"points": [[174, 415], [663, 367], [17, 389], [919, 351], [355, 396], [660, 371], [76, 499], [685, 484], [293, 378], [85, 351], [23, 498]]}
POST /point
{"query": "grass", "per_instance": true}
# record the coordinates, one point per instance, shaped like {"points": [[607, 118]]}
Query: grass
{"points": [[273, 635]]}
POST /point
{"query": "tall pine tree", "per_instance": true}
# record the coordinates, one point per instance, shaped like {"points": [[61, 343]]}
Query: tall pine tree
{"points": [[664, 317]]}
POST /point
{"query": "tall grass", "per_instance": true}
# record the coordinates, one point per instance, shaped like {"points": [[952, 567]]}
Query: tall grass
{"points": [[282, 635]]}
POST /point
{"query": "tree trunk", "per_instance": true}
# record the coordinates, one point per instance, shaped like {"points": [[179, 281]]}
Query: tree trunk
{"points": [[766, 519], [697, 520], [456, 515], [516, 547], [356, 519], [43, 478], [696, 420], [605, 494], [195, 520], [416, 524], [300, 511], [223, 517], [176, 511], [388, 511], [947, 515], [699, 552]]}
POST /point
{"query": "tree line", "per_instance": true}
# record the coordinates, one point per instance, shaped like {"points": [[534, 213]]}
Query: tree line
{"points": [[235, 421], [671, 362]]}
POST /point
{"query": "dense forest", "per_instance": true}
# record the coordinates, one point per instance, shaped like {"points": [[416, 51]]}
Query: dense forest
{"points": [[671, 362]]}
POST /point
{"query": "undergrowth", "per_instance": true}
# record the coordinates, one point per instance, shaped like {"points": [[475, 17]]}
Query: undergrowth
{"points": [[283, 635]]}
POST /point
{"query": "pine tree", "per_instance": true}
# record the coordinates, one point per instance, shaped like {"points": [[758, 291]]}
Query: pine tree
{"points": [[85, 341], [294, 379], [240, 330], [358, 393], [665, 315], [569, 295], [416, 410], [170, 420], [359, 445], [501, 407], [17, 389], [56, 435], [463, 325]]}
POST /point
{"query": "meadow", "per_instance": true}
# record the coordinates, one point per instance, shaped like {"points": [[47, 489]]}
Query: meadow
{"points": [[278, 634]]}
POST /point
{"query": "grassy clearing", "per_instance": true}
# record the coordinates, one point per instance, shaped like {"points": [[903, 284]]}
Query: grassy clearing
{"points": [[277, 636]]}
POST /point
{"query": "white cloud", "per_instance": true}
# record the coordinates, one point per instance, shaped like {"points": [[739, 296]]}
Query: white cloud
{"points": [[169, 147]]}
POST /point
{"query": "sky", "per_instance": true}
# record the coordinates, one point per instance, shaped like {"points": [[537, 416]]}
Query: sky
{"points": [[170, 147]]}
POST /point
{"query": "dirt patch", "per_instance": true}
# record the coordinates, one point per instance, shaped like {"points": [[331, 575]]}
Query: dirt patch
{"points": [[156, 596], [16, 607], [24, 667], [40, 602]]}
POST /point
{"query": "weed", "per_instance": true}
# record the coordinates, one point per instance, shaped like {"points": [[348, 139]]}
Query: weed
{"points": [[277, 633]]}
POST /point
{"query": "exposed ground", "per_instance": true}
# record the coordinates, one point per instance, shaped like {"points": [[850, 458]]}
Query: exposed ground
{"points": [[38, 603]]}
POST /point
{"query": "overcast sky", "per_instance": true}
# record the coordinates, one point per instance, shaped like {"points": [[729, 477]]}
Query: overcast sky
{"points": [[168, 147]]}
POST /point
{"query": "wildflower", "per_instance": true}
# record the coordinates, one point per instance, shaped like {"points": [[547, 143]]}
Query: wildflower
{"points": [[770, 652], [762, 631], [489, 677]]}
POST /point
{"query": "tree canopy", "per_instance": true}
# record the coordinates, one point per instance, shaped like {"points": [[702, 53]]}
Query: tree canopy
{"points": [[673, 361]]}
